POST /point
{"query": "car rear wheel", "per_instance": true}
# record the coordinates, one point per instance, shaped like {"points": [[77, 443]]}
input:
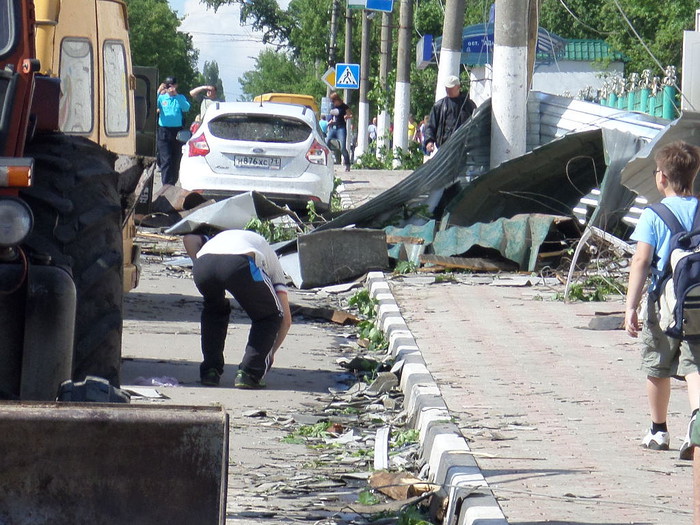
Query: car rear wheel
{"points": [[77, 222]]}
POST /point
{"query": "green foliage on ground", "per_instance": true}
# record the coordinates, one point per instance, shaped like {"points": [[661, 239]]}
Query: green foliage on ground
{"points": [[364, 303], [409, 159], [594, 288], [404, 267], [270, 231]]}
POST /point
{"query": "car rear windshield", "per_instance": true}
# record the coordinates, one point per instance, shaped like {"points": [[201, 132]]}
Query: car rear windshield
{"points": [[260, 128]]}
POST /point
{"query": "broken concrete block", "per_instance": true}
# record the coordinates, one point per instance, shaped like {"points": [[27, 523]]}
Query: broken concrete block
{"points": [[335, 256]]}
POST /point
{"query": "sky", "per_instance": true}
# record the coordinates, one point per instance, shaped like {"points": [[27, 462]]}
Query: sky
{"points": [[219, 36]]}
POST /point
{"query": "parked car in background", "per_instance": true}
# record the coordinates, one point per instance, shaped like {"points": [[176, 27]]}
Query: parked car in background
{"points": [[275, 149]]}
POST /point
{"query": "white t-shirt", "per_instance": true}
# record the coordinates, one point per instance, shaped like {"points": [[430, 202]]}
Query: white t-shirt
{"points": [[244, 242]]}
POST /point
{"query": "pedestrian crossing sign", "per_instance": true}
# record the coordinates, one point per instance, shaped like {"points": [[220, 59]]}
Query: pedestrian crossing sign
{"points": [[347, 76]]}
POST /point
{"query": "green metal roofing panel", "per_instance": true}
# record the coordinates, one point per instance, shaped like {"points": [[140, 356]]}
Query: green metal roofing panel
{"points": [[589, 51]]}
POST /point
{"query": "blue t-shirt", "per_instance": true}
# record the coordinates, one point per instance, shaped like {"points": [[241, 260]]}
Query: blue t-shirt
{"points": [[171, 110], [652, 230]]}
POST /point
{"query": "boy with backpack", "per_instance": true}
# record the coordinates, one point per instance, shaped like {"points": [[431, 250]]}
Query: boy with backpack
{"points": [[664, 356]]}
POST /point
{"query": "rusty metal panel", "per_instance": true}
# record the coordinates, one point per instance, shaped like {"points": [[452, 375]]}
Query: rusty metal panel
{"points": [[104, 463]]}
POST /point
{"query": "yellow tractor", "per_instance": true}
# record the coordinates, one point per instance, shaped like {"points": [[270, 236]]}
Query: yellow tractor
{"points": [[67, 144]]}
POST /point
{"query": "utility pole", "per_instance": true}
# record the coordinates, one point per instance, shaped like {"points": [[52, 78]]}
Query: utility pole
{"points": [[363, 104], [509, 97], [451, 48], [402, 95], [384, 65], [348, 48], [332, 48]]}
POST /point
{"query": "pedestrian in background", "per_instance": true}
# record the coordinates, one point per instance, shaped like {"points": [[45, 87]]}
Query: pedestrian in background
{"points": [[447, 114], [664, 357], [412, 129], [242, 263], [208, 100], [337, 126], [323, 124], [421, 130], [372, 130], [171, 107]]}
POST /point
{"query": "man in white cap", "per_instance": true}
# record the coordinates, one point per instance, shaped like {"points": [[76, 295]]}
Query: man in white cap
{"points": [[447, 115]]}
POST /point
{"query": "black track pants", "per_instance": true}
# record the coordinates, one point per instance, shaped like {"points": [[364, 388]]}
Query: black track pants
{"points": [[169, 154], [238, 274]]}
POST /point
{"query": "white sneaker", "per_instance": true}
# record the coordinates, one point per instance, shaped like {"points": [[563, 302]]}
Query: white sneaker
{"points": [[656, 440], [686, 451]]}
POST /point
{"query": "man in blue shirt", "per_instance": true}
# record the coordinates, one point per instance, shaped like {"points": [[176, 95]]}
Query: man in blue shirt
{"points": [[171, 106]]}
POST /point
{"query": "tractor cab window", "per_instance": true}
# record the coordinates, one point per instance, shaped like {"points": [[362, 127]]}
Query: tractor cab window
{"points": [[76, 72], [7, 26], [116, 88]]}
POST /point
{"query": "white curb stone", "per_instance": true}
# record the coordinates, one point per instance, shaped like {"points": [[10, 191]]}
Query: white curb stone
{"points": [[447, 454]]}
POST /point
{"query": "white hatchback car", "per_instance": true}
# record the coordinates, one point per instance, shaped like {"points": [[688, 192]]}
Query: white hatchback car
{"points": [[272, 148]]}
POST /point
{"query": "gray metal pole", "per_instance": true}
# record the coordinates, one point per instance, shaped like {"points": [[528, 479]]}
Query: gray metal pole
{"points": [[402, 95], [347, 93], [383, 120], [509, 97], [363, 104], [332, 47], [451, 49]]}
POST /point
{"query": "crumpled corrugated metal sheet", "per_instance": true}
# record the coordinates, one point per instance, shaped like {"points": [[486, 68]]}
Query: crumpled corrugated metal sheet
{"points": [[549, 179], [467, 147], [425, 231], [518, 239], [231, 213], [637, 175]]}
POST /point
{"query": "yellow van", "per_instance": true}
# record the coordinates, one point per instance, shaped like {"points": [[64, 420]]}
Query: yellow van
{"points": [[288, 98]]}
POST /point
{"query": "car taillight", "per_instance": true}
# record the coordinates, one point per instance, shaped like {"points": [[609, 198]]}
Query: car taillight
{"points": [[194, 127], [318, 153], [198, 146]]}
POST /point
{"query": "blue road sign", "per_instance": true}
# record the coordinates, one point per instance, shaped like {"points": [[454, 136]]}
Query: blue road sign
{"points": [[347, 76], [380, 5]]}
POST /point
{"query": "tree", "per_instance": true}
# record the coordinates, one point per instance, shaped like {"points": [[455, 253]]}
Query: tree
{"points": [[155, 41], [659, 24], [210, 74], [266, 16], [278, 72]]}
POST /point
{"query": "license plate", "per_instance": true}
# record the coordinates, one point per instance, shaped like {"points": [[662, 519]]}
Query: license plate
{"points": [[252, 161]]}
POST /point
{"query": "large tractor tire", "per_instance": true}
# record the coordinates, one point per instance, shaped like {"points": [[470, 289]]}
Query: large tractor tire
{"points": [[77, 222]]}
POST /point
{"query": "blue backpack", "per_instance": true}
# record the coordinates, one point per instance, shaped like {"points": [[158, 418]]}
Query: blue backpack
{"points": [[678, 289]]}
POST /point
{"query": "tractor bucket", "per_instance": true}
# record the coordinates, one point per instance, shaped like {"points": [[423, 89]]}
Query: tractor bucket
{"points": [[112, 463]]}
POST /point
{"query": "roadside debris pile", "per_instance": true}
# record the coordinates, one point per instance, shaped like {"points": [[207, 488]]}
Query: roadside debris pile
{"points": [[454, 212], [361, 462]]}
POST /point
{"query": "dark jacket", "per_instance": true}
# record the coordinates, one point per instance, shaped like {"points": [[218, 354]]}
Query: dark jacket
{"points": [[446, 116]]}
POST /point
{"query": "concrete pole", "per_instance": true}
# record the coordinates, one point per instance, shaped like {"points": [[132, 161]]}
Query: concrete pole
{"points": [[363, 104], [402, 94], [347, 93], [332, 47], [383, 120], [451, 48], [509, 98]]}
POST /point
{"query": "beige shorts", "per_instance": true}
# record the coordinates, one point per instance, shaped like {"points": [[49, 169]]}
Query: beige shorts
{"points": [[664, 356]]}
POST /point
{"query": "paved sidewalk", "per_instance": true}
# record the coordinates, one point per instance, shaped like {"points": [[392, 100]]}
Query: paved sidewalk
{"points": [[553, 412]]}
